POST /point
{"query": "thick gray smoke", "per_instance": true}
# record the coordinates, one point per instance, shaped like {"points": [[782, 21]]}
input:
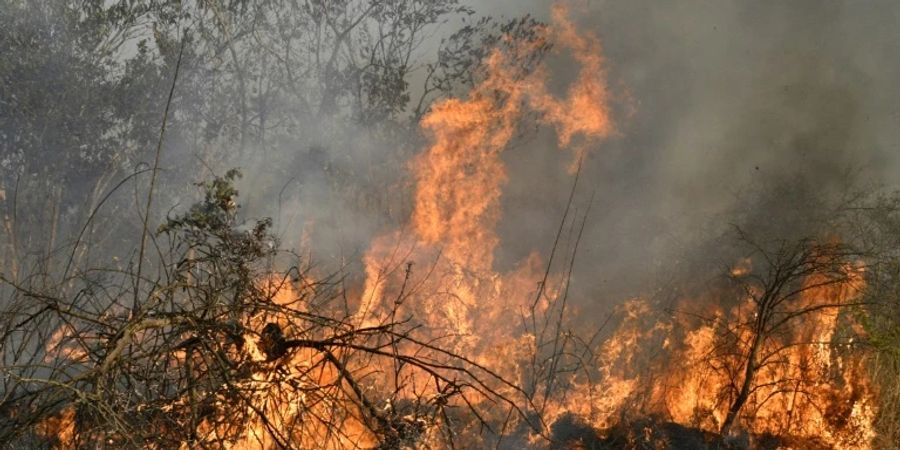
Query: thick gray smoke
{"points": [[727, 111], [732, 101]]}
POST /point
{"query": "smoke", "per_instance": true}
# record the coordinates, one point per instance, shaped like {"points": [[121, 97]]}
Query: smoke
{"points": [[726, 111], [725, 107]]}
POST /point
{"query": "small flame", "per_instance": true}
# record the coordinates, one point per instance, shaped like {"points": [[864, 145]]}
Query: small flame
{"points": [[60, 428]]}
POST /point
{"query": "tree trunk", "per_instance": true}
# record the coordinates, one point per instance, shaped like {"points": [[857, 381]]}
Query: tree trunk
{"points": [[744, 392]]}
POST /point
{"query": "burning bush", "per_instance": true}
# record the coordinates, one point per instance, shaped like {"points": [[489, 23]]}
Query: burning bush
{"points": [[218, 351]]}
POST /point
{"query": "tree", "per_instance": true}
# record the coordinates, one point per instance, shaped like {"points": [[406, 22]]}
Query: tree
{"points": [[795, 280], [323, 83], [71, 123]]}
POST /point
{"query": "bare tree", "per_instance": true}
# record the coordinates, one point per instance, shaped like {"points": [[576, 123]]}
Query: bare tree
{"points": [[790, 272]]}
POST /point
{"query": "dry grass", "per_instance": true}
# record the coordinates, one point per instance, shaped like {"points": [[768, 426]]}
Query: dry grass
{"points": [[885, 370]]}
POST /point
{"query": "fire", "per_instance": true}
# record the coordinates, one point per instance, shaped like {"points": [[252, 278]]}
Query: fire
{"points": [[454, 289], [805, 388], [438, 273], [61, 428], [64, 343], [441, 274], [459, 178], [291, 397]]}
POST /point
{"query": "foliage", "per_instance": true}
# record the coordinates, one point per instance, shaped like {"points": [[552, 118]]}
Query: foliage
{"points": [[279, 87]]}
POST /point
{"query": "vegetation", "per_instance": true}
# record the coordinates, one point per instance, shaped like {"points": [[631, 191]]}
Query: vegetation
{"points": [[164, 363]]}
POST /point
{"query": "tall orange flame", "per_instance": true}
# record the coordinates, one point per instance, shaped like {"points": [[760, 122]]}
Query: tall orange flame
{"points": [[459, 178]]}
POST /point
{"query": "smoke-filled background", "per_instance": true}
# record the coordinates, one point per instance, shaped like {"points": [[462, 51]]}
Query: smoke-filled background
{"points": [[722, 107], [729, 107], [716, 103]]}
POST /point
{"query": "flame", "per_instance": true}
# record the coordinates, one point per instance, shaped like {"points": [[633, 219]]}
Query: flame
{"points": [[60, 427], [459, 178], [439, 272], [442, 273], [64, 344], [808, 390], [289, 400], [742, 268]]}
